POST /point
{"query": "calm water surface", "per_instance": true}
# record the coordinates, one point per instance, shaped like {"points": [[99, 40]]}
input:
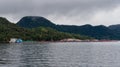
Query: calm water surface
{"points": [[69, 54]]}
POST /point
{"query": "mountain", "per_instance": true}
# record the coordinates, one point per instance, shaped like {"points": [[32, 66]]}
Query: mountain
{"points": [[4, 21], [115, 27], [99, 32], [34, 21], [9, 30]]}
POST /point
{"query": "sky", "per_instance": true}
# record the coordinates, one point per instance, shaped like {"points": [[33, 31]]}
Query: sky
{"points": [[67, 12]]}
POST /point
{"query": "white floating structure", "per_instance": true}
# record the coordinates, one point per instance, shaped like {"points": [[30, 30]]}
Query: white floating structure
{"points": [[12, 40], [15, 40]]}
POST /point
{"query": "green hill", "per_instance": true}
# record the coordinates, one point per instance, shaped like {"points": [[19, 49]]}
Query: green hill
{"points": [[9, 30], [34, 22], [98, 32]]}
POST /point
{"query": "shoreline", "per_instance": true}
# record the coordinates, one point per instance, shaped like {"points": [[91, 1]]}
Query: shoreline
{"points": [[73, 41], [66, 41]]}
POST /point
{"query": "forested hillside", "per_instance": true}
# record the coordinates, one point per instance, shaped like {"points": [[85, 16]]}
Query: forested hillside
{"points": [[98, 32], [9, 30]]}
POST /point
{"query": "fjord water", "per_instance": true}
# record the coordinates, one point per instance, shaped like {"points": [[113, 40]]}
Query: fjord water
{"points": [[60, 54]]}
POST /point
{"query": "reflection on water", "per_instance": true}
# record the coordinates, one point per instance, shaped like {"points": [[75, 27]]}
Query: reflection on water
{"points": [[69, 54]]}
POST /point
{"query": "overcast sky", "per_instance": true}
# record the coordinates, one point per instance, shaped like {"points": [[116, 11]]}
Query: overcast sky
{"points": [[72, 12]]}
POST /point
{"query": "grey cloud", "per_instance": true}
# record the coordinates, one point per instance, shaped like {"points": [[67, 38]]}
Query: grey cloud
{"points": [[86, 8], [54, 6]]}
